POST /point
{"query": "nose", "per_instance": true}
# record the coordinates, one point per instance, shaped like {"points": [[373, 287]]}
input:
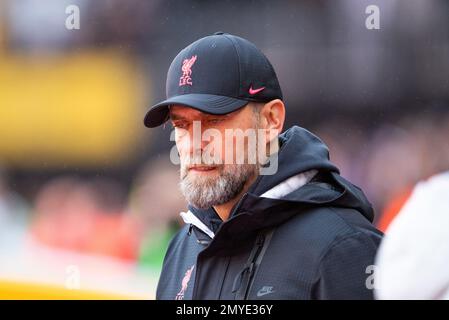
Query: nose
{"points": [[197, 141], [191, 142]]}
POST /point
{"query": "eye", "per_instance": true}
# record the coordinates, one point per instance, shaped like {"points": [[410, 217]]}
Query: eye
{"points": [[214, 121], [179, 125]]}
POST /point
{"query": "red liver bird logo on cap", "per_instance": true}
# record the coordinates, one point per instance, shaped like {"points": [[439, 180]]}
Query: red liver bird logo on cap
{"points": [[186, 68]]}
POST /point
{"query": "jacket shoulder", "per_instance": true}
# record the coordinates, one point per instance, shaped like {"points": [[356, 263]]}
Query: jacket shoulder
{"points": [[180, 256], [335, 247], [326, 225], [345, 268], [177, 241]]}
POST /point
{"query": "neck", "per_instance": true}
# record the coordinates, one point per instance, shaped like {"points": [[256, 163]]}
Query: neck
{"points": [[224, 210]]}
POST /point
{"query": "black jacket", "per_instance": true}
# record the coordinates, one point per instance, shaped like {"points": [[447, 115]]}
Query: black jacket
{"points": [[316, 242]]}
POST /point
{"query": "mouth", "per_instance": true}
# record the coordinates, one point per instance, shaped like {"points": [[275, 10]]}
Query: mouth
{"points": [[202, 169]]}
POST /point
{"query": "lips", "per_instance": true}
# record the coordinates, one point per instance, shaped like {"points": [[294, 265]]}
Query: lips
{"points": [[202, 168]]}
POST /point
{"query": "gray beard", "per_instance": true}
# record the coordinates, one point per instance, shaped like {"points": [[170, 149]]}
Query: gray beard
{"points": [[205, 192]]}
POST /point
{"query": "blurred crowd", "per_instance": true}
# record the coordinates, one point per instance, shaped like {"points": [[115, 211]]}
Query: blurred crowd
{"points": [[389, 160], [96, 216], [79, 173]]}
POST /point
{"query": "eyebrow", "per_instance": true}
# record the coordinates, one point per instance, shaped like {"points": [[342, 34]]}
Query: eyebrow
{"points": [[174, 116]]}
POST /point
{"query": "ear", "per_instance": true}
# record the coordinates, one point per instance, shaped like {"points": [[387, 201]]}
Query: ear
{"points": [[272, 117]]}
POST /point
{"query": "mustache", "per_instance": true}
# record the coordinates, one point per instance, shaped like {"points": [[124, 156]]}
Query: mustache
{"points": [[199, 160], [193, 162]]}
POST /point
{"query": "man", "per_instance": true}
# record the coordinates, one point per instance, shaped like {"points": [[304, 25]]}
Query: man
{"points": [[286, 226]]}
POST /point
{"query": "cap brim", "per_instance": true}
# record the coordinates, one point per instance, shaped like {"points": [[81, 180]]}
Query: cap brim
{"points": [[209, 103]]}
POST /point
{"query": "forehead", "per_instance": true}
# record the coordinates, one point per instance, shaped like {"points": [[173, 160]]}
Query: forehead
{"points": [[180, 111]]}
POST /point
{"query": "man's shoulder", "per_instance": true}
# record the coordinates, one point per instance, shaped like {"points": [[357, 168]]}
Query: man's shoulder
{"points": [[179, 238], [324, 227]]}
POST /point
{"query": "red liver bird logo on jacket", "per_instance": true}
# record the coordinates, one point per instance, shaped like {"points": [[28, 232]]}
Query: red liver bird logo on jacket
{"points": [[184, 283]]}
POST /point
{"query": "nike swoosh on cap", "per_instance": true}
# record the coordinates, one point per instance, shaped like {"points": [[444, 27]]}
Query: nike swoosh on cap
{"points": [[254, 91]]}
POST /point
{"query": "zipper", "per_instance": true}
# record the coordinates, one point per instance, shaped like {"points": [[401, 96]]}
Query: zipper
{"points": [[243, 280], [198, 266], [267, 239]]}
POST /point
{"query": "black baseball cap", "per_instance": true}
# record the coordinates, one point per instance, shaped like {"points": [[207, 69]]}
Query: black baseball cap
{"points": [[217, 74]]}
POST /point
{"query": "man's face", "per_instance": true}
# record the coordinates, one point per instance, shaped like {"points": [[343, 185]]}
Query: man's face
{"points": [[211, 173]]}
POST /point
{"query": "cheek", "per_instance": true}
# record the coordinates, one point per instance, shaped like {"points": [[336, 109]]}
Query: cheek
{"points": [[180, 134], [183, 145], [215, 147]]}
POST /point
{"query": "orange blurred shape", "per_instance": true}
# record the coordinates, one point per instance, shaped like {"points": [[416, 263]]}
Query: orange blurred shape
{"points": [[111, 234], [22, 290], [115, 235], [392, 209]]}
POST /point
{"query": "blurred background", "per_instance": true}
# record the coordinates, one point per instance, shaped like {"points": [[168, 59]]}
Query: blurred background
{"points": [[89, 198]]}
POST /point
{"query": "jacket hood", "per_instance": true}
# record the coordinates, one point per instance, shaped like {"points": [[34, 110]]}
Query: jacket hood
{"points": [[300, 152]]}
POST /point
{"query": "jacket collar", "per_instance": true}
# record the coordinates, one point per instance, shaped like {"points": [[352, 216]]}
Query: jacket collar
{"points": [[277, 192]]}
